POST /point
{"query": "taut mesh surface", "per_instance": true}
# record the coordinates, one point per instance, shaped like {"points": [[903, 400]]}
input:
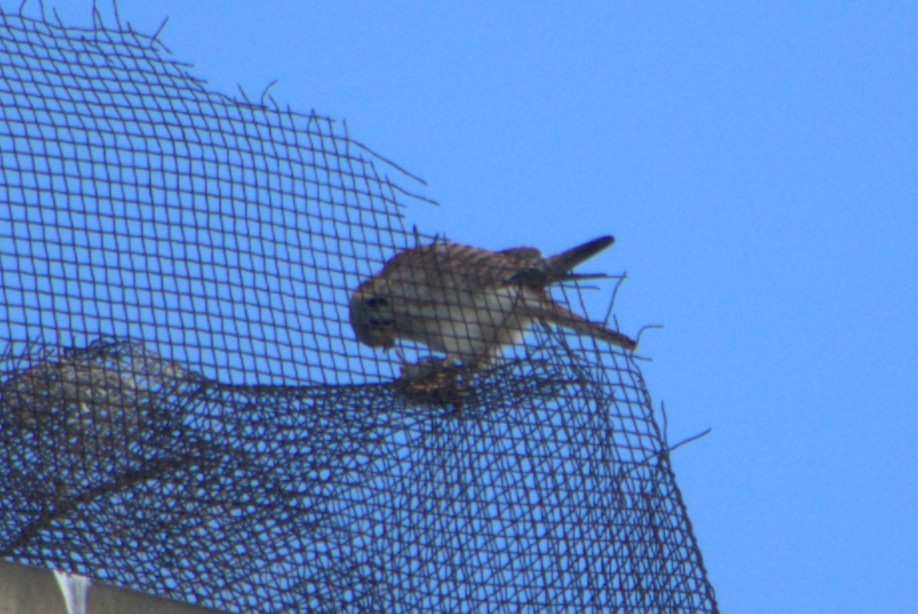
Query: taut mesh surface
{"points": [[184, 409]]}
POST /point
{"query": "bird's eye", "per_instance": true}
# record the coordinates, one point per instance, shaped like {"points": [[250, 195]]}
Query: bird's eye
{"points": [[375, 302]]}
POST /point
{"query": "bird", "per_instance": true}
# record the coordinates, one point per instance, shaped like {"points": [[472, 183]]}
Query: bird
{"points": [[470, 303]]}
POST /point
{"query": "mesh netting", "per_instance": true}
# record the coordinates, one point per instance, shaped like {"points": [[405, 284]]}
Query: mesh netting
{"points": [[184, 409]]}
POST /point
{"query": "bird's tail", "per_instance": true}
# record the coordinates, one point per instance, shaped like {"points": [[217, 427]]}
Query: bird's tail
{"points": [[553, 312], [561, 264]]}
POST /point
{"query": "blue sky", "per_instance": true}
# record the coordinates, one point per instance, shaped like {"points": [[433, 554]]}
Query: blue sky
{"points": [[758, 166]]}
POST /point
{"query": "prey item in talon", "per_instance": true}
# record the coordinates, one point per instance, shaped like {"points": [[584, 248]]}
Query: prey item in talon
{"points": [[431, 382], [469, 303]]}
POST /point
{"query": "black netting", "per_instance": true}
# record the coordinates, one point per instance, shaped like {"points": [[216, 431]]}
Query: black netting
{"points": [[184, 409]]}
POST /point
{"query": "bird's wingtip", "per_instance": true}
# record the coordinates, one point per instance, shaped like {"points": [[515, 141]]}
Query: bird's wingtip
{"points": [[605, 241]]}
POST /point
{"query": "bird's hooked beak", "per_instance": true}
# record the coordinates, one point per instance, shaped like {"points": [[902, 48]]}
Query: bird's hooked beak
{"points": [[372, 318]]}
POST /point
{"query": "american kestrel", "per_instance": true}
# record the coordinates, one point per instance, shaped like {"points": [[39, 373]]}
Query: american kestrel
{"points": [[469, 303]]}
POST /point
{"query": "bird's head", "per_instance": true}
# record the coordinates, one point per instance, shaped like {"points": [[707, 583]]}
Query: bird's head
{"points": [[372, 317]]}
